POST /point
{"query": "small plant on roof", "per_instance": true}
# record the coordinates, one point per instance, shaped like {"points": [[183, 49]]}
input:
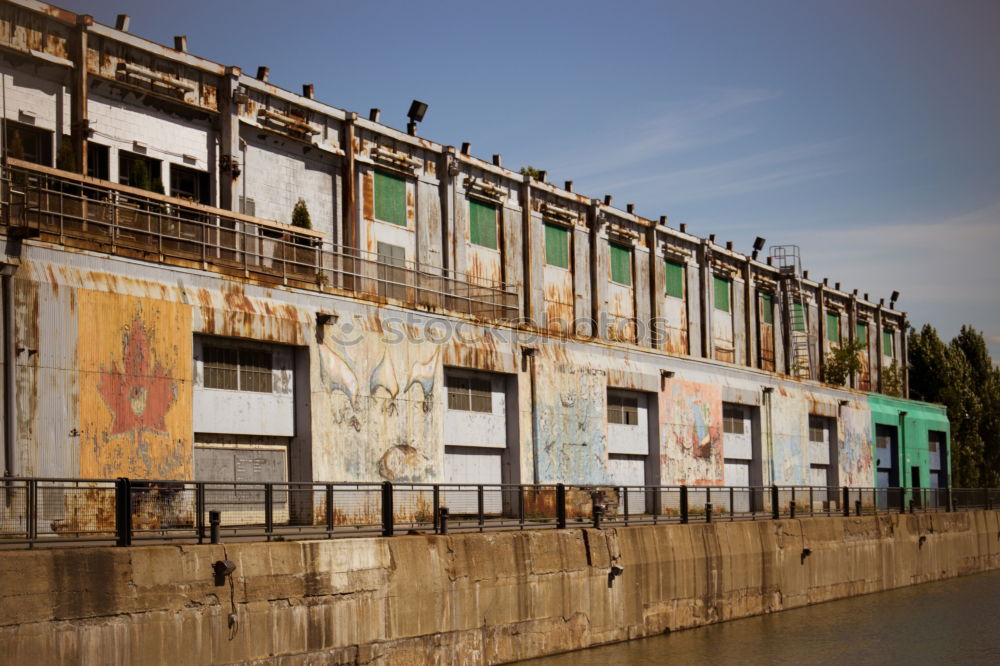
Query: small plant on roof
{"points": [[300, 215], [531, 171]]}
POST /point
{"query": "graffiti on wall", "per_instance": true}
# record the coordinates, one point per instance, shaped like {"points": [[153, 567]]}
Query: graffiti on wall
{"points": [[135, 387], [381, 419], [571, 402], [691, 430], [857, 465]]}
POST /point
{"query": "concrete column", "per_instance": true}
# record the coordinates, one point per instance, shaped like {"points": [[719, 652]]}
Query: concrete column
{"points": [[879, 352], [852, 334], [350, 178], [657, 276], [641, 296], [750, 315], [705, 281], [229, 140], [79, 123], [821, 329]]}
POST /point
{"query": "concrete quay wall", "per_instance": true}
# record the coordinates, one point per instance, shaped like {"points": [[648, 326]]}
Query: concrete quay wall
{"points": [[463, 598]]}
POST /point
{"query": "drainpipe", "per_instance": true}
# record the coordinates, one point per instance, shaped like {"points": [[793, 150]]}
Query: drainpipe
{"points": [[349, 238], [529, 354], [7, 271], [904, 357]]}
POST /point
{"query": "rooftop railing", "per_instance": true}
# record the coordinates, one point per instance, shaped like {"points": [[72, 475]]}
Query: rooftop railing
{"points": [[59, 512], [88, 213]]}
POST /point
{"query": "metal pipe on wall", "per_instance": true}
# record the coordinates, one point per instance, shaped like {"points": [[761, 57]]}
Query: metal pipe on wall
{"points": [[9, 377]]}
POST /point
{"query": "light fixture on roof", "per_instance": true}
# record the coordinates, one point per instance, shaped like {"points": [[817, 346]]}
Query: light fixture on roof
{"points": [[758, 245], [892, 300], [415, 114]]}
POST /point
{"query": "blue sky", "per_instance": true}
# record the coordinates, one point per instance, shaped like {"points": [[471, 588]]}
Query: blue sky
{"points": [[865, 132]]}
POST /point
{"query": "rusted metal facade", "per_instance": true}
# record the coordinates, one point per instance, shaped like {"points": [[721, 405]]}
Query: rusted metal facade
{"points": [[110, 291]]}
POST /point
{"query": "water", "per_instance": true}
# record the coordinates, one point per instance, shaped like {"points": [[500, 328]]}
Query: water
{"points": [[951, 621]]}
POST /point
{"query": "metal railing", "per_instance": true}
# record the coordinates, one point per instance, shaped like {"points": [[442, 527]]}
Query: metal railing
{"points": [[55, 512], [62, 207]]}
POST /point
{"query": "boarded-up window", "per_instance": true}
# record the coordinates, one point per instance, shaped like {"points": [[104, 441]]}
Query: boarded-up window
{"points": [[469, 394], [798, 318], [861, 333], [721, 293], [621, 264], [235, 369], [483, 224], [556, 246], [391, 271], [733, 419], [833, 327], [390, 198], [675, 279], [623, 409], [767, 308]]}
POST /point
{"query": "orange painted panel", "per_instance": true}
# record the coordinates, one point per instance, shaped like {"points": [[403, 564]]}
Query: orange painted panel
{"points": [[135, 387]]}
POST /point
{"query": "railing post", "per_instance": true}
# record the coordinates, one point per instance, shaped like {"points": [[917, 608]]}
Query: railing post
{"points": [[775, 509], [329, 509], [791, 506], [480, 505], [598, 512], [902, 499], [31, 508], [199, 510], [732, 503], [625, 502], [708, 512], [857, 507], [684, 504], [268, 510], [847, 502], [948, 498], [123, 511], [387, 509], [520, 506], [436, 495], [560, 506]]}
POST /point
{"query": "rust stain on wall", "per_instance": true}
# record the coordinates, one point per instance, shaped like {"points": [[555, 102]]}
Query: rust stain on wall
{"points": [[135, 387]]}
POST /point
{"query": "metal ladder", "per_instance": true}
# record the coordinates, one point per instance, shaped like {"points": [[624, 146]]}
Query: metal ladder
{"points": [[795, 310]]}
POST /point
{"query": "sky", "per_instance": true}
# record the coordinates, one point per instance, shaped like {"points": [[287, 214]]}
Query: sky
{"points": [[866, 133]]}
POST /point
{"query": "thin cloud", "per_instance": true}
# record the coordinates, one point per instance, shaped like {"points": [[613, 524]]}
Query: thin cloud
{"points": [[678, 127], [767, 170]]}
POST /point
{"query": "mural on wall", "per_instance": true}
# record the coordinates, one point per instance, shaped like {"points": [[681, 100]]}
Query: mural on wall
{"points": [[691, 431], [380, 420], [135, 387], [790, 438], [571, 405], [857, 465]]}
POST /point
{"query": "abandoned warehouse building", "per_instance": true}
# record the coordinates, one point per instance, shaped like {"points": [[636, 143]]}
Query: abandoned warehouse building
{"points": [[207, 277]]}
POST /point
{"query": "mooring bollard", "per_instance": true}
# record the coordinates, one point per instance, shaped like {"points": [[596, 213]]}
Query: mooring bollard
{"points": [[214, 520], [791, 509], [708, 512], [857, 507], [443, 520], [598, 514]]}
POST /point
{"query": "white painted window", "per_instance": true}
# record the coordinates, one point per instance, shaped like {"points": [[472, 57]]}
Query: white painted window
{"points": [[243, 388], [475, 426], [628, 423]]}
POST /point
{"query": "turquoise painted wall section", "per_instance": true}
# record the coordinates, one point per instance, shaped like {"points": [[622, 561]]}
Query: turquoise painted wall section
{"points": [[920, 419]]}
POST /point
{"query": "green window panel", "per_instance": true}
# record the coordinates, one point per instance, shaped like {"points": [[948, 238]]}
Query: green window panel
{"points": [[390, 198], [675, 279], [721, 293], [833, 327], [767, 308], [556, 246], [861, 334], [798, 318], [483, 224], [621, 264], [887, 349]]}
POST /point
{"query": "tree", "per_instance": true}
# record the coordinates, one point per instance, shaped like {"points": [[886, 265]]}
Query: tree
{"points": [[842, 362], [960, 376]]}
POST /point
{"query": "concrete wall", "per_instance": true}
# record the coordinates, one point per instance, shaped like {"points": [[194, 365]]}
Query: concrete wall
{"points": [[460, 599]]}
